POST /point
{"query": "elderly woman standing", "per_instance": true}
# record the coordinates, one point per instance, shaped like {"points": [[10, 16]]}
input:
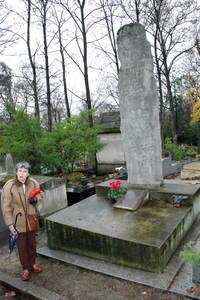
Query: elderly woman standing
{"points": [[14, 200]]}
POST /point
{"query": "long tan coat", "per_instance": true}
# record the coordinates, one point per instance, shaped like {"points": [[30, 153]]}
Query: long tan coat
{"points": [[11, 203]]}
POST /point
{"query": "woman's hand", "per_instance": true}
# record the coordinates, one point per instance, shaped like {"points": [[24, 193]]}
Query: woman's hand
{"points": [[32, 200], [11, 228]]}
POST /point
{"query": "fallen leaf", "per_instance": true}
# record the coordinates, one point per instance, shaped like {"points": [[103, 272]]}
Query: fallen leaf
{"points": [[197, 290], [10, 294], [144, 293]]}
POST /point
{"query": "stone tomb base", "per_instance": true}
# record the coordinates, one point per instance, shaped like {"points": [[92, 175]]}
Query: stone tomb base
{"points": [[143, 239]]}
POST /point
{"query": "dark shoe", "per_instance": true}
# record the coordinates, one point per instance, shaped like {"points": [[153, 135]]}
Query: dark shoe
{"points": [[25, 275], [36, 268]]}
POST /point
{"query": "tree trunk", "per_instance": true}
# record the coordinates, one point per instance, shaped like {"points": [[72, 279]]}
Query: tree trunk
{"points": [[64, 72], [85, 62], [37, 110]]}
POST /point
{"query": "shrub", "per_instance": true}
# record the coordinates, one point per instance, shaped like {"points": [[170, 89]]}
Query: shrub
{"points": [[75, 177], [176, 151]]}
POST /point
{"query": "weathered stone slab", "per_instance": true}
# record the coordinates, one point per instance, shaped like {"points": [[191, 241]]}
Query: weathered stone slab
{"points": [[132, 200], [167, 166], [55, 195], [177, 166], [192, 166], [191, 171], [112, 155]]}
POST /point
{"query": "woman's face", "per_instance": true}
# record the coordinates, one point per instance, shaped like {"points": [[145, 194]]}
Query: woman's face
{"points": [[22, 174]]}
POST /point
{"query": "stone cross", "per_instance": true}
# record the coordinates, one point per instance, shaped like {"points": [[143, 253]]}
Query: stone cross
{"points": [[139, 109]]}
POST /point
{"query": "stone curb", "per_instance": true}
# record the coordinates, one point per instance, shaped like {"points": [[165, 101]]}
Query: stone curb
{"points": [[27, 289]]}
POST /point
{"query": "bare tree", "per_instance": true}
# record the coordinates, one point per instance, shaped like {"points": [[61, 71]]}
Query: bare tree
{"points": [[23, 89], [60, 22], [173, 24], [81, 30], [170, 23], [5, 93], [42, 7], [32, 60], [7, 35], [134, 11], [25, 16], [108, 19], [110, 12]]}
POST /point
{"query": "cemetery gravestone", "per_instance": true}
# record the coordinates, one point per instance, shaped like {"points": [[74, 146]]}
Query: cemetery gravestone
{"points": [[9, 164]]}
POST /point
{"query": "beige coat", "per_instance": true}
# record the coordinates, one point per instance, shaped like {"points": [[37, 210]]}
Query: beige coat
{"points": [[11, 203]]}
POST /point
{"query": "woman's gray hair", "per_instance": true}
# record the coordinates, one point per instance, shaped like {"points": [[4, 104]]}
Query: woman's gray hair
{"points": [[24, 165]]}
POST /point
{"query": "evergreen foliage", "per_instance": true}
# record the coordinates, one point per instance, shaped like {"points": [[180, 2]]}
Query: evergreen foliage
{"points": [[175, 151], [22, 139], [71, 140]]}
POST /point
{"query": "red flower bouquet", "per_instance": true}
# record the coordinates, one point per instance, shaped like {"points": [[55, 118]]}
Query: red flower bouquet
{"points": [[116, 191]]}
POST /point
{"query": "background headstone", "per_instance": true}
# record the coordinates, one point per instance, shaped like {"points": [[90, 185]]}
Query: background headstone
{"points": [[10, 169], [139, 109]]}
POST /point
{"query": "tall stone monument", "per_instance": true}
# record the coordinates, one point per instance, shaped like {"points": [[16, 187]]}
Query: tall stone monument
{"points": [[139, 109]]}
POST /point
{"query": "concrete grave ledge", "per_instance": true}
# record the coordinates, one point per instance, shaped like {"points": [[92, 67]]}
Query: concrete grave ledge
{"points": [[27, 289], [55, 196], [144, 239]]}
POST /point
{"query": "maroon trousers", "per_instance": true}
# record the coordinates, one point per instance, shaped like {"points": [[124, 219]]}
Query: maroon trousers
{"points": [[26, 245]]}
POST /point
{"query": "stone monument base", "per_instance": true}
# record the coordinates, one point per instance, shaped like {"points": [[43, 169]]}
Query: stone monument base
{"points": [[143, 239]]}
